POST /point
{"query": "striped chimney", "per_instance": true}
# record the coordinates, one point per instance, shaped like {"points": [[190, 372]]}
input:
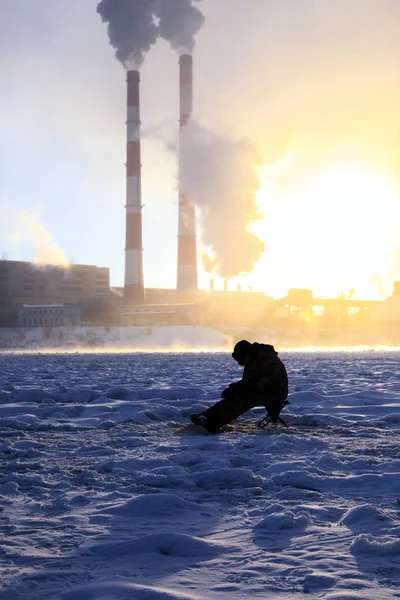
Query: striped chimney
{"points": [[187, 253], [134, 288]]}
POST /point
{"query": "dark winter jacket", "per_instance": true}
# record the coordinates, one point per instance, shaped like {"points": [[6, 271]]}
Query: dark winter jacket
{"points": [[265, 376], [266, 373]]}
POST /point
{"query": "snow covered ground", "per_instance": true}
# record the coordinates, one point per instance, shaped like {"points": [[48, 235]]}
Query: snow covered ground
{"points": [[108, 493]]}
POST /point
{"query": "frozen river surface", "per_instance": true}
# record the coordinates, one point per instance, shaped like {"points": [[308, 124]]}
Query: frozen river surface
{"points": [[107, 492]]}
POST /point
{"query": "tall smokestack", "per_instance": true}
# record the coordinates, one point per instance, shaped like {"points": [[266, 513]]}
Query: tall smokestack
{"points": [[134, 288], [187, 253]]}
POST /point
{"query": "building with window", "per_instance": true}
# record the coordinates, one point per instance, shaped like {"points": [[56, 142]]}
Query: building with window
{"points": [[49, 315], [31, 284]]}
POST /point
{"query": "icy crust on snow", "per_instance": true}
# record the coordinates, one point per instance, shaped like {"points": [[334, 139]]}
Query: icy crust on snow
{"points": [[368, 544], [108, 491], [123, 590]]}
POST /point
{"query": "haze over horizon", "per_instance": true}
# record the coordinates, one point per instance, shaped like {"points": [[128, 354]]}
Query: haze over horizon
{"points": [[307, 93]]}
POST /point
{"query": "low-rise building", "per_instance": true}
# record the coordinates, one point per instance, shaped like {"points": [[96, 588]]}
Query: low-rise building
{"points": [[31, 284], [49, 315]]}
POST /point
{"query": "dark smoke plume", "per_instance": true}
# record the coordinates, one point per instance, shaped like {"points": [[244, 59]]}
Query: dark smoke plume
{"points": [[179, 23], [135, 25], [131, 28], [218, 174]]}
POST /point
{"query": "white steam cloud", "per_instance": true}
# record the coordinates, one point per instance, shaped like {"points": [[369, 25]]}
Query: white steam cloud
{"points": [[218, 174], [29, 231]]}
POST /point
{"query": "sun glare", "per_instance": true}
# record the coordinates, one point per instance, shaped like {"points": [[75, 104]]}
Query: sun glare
{"points": [[332, 233]]}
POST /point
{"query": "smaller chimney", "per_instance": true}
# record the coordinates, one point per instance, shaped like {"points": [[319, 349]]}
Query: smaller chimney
{"points": [[187, 244], [225, 285], [211, 285], [239, 287]]}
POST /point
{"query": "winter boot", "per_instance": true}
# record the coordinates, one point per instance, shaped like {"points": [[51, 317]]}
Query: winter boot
{"points": [[203, 421]]}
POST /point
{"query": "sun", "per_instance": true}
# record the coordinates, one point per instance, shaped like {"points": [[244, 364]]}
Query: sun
{"points": [[330, 231]]}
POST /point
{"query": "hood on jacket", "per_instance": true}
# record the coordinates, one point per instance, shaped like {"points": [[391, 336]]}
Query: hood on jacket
{"points": [[244, 349]]}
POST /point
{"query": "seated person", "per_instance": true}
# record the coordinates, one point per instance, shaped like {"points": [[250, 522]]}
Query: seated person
{"points": [[264, 383]]}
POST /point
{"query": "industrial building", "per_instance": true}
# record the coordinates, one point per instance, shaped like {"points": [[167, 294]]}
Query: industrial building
{"points": [[166, 314], [49, 315], [30, 284], [49, 296]]}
